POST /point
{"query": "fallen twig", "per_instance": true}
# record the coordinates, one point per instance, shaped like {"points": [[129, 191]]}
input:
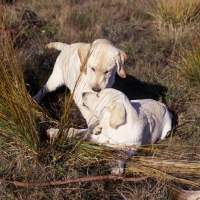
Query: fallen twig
{"points": [[77, 180]]}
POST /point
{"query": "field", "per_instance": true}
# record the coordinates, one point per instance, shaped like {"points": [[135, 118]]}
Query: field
{"points": [[162, 41]]}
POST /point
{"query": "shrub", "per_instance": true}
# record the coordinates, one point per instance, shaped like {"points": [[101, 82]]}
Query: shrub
{"points": [[189, 61], [175, 13], [18, 112]]}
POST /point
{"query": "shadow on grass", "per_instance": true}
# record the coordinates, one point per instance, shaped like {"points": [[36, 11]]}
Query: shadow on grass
{"points": [[130, 86], [136, 89]]}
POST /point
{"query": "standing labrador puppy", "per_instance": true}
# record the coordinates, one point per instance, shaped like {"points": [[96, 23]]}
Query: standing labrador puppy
{"points": [[124, 124], [84, 67]]}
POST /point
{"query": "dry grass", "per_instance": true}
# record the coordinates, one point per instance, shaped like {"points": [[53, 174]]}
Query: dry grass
{"points": [[163, 64], [177, 13], [189, 62], [18, 112]]}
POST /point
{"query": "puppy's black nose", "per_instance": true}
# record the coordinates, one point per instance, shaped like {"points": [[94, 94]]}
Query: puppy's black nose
{"points": [[96, 89], [83, 94]]}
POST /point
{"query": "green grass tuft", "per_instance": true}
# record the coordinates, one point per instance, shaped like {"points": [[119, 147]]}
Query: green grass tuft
{"points": [[19, 113], [189, 61], [174, 14]]}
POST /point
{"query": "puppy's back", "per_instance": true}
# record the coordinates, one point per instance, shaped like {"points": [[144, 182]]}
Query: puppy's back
{"points": [[159, 117]]}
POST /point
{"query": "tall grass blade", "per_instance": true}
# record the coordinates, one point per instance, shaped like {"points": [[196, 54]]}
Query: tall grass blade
{"points": [[18, 111], [189, 62]]}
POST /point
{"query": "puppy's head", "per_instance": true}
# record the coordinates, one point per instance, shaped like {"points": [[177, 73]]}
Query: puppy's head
{"points": [[101, 60], [99, 103]]}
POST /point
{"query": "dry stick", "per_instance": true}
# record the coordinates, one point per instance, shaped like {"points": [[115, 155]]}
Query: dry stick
{"points": [[77, 180]]}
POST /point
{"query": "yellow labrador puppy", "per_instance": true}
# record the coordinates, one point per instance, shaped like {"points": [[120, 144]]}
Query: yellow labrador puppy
{"points": [[178, 193], [98, 61], [124, 124]]}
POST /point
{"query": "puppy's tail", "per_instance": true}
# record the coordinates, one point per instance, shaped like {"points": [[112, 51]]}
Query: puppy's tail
{"points": [[56, 45]]}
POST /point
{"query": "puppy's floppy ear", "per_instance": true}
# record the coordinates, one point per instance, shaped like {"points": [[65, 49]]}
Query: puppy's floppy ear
{"points": [[120, 59], [84, 53], [117, 114]]}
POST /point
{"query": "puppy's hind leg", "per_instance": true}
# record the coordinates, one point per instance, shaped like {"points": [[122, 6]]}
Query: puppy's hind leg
{"points": [[41, 94]]}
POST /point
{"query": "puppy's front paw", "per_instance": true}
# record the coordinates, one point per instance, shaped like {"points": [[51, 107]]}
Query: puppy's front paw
{"points": [[52, 133], [97, 130], [118, 169]]}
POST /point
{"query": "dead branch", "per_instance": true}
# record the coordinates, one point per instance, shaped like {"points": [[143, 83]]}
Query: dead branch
{"points": [[77, 180]]}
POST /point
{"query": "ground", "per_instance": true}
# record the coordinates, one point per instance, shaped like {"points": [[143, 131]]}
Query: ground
{"points": [[161, 40]]}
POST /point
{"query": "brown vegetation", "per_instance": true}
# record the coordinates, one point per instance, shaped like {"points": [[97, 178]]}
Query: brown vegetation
{"points": [[161, 39]]}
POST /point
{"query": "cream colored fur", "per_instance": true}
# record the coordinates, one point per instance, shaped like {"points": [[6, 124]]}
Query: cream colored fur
{"points": [[124, 124], [98, 61]]}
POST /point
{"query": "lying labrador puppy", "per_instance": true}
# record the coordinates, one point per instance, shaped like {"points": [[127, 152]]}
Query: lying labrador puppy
{"points": [[124, 124], [98, 61]]}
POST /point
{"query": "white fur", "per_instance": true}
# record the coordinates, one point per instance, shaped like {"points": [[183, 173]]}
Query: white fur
{"points": [[145, 121], [98, 63], [125, 124]]}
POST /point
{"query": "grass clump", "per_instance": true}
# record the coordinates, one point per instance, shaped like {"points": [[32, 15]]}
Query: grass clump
{"points": [[18, 112], [189, 61], [177, 13]]}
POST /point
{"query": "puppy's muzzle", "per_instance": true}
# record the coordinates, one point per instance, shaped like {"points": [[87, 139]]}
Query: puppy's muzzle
{"points": [[96, 89]]}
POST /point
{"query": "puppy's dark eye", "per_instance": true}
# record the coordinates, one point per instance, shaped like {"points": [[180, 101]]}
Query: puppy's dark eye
{"points": [[93, 69], [106, 72]]}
